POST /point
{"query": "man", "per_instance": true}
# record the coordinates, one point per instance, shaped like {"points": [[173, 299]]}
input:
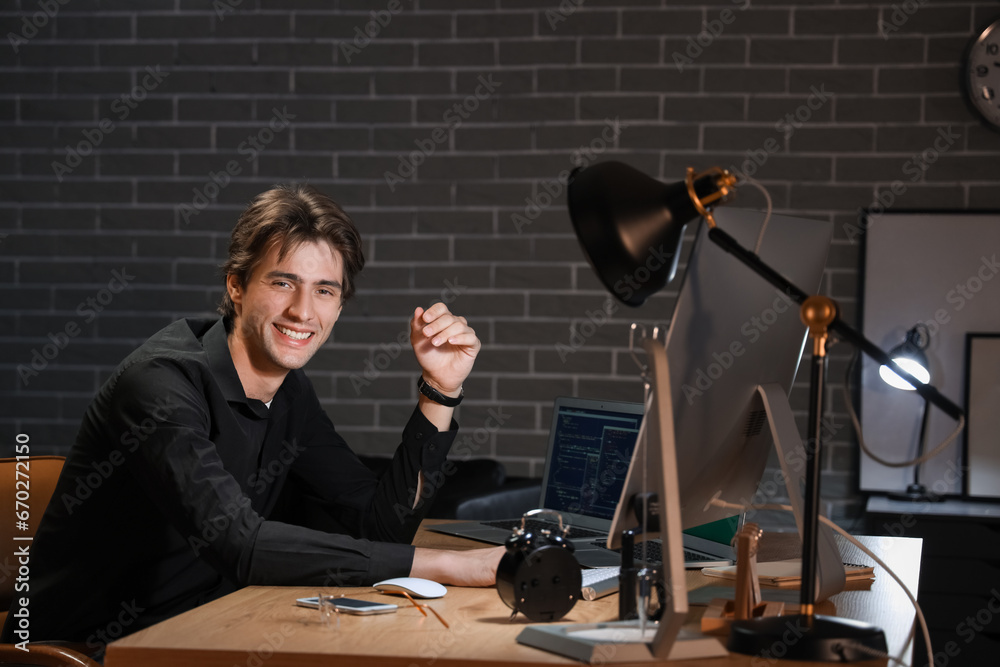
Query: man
{"points": [[206, 463]]}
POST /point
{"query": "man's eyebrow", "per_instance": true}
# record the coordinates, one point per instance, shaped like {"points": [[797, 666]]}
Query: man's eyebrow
{"points": [[295, 278]]}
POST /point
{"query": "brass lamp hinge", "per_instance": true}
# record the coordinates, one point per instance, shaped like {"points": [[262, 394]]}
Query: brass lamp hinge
{"points": [[725, 182]]}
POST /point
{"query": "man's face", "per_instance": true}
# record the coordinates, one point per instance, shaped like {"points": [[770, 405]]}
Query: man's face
{"points": [[287, 309]]}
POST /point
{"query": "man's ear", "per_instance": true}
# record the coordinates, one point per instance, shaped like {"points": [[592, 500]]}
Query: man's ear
{"points": [[234, 289]]}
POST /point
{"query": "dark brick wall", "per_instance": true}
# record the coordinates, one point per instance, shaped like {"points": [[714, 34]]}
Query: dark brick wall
{"points": [[133, 132]]}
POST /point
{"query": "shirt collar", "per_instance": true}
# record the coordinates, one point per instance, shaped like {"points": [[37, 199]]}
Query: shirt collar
{"points": [[220, 360]]}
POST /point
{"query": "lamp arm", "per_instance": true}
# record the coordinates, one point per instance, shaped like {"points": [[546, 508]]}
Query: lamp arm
{"points": [[843, 330]]}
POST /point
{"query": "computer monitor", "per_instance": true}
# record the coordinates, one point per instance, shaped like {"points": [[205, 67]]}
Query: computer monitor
{"points": [[731, 331], [730, 335]]}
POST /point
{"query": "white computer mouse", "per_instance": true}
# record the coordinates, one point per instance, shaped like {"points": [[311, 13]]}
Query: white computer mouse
{"points": [[418, 588]]}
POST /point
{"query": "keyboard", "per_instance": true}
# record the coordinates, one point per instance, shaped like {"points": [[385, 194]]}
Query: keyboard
{"points": [[598, 582], [536, 525]]}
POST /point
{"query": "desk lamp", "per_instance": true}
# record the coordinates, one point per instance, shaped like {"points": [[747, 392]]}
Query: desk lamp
{"points": [[911, 356], [627, 223]]}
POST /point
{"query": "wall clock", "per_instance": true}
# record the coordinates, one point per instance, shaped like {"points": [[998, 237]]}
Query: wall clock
{"points": [[982, 74]]}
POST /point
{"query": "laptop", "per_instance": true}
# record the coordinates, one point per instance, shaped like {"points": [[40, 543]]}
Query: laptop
{"points": [[589, 449]]}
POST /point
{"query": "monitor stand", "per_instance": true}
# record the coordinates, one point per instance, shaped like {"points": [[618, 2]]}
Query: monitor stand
{"points": [[654, 460]]}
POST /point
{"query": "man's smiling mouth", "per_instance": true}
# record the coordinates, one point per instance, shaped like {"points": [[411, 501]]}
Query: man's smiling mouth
{"points": [[295, 335]]}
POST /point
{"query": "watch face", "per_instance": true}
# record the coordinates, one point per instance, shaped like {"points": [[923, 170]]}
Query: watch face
{"points": [[983, 74]]}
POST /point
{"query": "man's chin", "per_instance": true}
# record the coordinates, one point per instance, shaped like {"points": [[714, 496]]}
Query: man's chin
{"points": [[294, 363], [292, 360]]}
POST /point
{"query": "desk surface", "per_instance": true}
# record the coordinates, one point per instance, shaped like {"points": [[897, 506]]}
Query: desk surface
{"points": [[260, 625]]}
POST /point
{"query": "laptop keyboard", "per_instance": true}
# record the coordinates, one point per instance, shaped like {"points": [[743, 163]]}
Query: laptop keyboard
{"points": [[654, 552], [536, 525]]}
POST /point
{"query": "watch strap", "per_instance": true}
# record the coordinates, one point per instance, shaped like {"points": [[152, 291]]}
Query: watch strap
{"points": [[436, 396]]}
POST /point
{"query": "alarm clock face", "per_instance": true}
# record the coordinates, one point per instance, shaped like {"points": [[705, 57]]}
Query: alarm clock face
{"points": [[983, 74]]}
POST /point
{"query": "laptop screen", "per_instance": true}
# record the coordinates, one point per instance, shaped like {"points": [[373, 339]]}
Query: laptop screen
{"points": [[589, 452]]}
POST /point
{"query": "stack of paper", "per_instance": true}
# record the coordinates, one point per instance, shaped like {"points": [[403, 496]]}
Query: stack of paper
{"points": [[787, 573]]}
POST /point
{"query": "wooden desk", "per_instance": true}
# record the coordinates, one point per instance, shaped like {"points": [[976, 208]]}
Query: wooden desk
{"points": [[260, 625]]}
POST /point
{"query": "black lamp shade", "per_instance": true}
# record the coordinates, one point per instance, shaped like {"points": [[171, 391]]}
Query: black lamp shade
{"points": [[911, 358], [631, 226]]}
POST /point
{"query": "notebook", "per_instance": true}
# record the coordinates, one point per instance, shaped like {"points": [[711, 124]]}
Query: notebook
{"points": [[587, 458]]}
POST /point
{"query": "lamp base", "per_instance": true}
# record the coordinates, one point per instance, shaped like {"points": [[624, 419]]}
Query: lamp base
{"points": [[916, 493], [802, 637]]}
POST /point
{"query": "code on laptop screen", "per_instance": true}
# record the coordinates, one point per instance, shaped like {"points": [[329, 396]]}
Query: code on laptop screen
{"points": [[590, 459]]}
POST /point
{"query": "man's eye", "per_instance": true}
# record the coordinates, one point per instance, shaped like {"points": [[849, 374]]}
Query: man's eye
{"points": [[281, 283]]}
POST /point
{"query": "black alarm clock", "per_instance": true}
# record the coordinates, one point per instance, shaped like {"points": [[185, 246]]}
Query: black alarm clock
{"points": [[539, 576]]}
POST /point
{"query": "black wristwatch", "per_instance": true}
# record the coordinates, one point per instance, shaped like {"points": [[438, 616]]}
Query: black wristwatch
{"points": [[436, 396]]}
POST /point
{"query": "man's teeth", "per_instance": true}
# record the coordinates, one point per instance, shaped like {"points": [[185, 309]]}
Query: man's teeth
{"points": [[294, 334]]}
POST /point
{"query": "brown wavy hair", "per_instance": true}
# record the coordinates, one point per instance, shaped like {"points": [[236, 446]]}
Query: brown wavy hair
{"points": [[290, 215]]}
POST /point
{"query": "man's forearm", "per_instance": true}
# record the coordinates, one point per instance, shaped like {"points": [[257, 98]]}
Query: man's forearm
{"points": [[437, 414], [475, 567]]}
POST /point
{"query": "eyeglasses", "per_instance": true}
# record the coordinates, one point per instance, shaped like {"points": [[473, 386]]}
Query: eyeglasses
{"points": [[420, 606], [328, 613]]}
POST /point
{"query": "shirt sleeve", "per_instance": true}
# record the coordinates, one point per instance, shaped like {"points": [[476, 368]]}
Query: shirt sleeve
{"points": [[178, 465], [353, 499]]}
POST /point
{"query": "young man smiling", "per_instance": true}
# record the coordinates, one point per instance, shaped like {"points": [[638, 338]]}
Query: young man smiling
{"points": [[206, 462]]}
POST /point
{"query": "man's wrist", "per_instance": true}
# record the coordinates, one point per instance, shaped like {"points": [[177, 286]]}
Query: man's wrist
{"points": [[437, 396]]}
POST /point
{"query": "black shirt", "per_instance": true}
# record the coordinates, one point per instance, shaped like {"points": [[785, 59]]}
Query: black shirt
{"points": [[175, 491]]}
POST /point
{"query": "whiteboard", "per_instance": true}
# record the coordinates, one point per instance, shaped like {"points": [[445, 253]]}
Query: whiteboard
{"points": [[942, 269], [982, 442]]}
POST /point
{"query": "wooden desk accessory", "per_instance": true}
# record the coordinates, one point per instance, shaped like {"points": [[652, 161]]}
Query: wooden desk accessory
{"points": [[748, 604]]}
